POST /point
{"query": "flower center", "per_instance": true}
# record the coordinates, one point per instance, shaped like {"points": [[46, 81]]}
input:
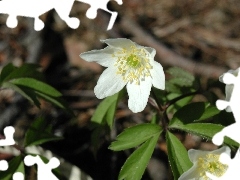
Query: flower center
{"points": [[211, 164], [132, 60], [133, 64]]}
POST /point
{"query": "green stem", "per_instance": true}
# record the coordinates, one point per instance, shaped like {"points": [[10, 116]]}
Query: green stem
{"points": [[162, 110]]}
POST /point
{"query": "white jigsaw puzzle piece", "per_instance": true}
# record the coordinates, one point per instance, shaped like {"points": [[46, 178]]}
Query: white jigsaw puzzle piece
{"points": [[18, 176], [3, 165], [231, 131], [44, 170], [35, 8], [232, 81], [233, 103], [8, 133], [101, 4]]}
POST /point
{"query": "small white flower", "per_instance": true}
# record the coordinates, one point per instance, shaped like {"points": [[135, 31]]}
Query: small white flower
{"points": [[229, 87], [205, 161], [233, 167], [127, 64]]}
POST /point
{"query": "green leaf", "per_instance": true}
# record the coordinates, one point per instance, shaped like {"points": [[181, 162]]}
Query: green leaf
{"points": [[136, 164], [6, 71], [39, 132], [57, 101], [155, 118], [106, 110], [177, 155], [176, 106], [170, 87], [180, 77], [25, 92], [37, 86], [192, 112], [134, 136], [26, 81], [204, 130], [14, 165], [27, 70], [33, 96]]}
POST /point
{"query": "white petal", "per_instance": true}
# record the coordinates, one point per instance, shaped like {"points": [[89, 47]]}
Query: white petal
{"points": [[119, 43], [138, 95], [158, 75], [224, 149], [152, 51], [102, 57], [195, 154], [109, 83], [190, 174]]}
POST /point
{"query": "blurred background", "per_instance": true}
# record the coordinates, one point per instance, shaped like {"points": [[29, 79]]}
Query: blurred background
{"points": [[201, 37]]}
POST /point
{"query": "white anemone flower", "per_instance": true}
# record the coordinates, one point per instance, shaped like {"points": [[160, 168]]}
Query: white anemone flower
{"points": [[233, 167], [127, 64], [205, 161], [229, 87]]}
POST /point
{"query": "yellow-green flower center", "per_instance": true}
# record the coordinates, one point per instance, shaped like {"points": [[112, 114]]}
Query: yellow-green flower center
{"points": [[210, 163], [133, 64], [132, 60]]}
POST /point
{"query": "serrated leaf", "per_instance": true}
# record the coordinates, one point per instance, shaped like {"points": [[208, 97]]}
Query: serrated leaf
{"points": [[136, 163], [204, 130], [39, 132], [14, 165], [106, 110], [192, 112], [134, 136], [177, 155], [37, 86]]}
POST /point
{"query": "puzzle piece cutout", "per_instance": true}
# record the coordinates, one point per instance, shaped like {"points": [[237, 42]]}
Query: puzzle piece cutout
{"points": [[18, 176], [36, 8], [8, 133], [232, 81], [44, 170], [231, 104], [100, 4], [231, 131], [233, 167], [3, 165]]}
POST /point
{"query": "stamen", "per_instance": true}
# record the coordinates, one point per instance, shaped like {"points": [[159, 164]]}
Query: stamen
{"points": [[211, 164], [133, 64]]}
